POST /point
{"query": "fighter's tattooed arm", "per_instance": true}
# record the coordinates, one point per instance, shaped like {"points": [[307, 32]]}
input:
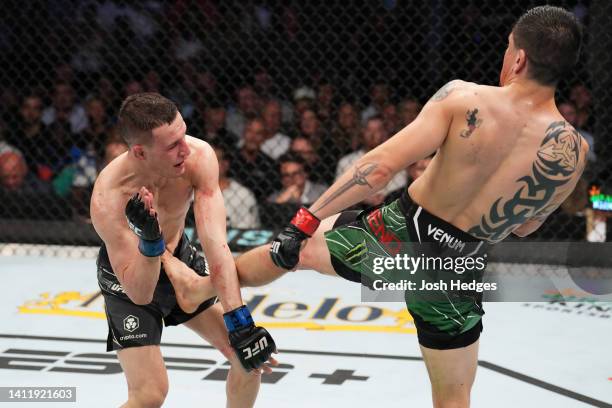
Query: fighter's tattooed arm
{"points": [[359, 178], [419, 139], [443, 92], [473, 121], [555, 171]]}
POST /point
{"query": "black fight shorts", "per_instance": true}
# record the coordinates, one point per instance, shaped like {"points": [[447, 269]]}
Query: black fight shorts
{"points": [[132, 325]]}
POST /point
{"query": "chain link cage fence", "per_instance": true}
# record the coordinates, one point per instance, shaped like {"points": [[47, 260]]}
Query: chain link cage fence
{"points": [[282, 89]]}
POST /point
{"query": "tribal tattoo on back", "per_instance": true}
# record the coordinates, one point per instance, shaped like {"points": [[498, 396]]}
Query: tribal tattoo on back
{"points": [[557, 160]]}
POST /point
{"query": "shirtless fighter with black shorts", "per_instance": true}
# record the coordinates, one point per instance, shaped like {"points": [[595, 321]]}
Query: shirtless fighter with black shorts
{"points": [[505, 159], [138, 208]]}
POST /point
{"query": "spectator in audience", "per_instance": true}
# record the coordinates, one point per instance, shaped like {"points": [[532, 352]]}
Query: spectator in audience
{"points": [[581, 96], [7, 148], [205, 84], [107, 93], [114, 147], [568, 111], [210, 125], [325, 103], [64, 73], [32, 137], [9, 107], [240, 203], [131, 87], [183, 89], [296, 188], [61, 141], [318, 170], [64, 109], [310, 127], [597, 221], [391, 119], [276, 143], [379, 98], [409, 109], [304, 148], [267, 90], [152, 82], [374, 133], [13, 170], [303, 100], [252, 168], [247, 105], [14, 175], [98, 129], [346, 134]]}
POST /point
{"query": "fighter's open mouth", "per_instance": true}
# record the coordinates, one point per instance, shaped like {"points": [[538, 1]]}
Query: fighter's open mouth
{"points": [[179, 165]]}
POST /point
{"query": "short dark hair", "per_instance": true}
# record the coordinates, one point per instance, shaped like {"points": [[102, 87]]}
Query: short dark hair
{"points": [[141, 113], [291, 157], [372, 118], [250, 118], [551, 37]]}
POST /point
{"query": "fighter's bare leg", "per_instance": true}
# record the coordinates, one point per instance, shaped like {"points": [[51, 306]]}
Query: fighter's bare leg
{"points": [[255, 267], [452, 374], [241, 387], [146, 376], [191, 289]]}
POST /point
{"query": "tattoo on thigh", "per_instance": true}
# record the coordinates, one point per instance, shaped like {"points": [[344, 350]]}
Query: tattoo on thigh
{"points": [[473, 121], [555, 166], [359, 179]]}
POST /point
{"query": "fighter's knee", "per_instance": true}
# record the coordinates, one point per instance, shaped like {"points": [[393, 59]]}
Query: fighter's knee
{"points": [[150, 395], [456, 400]]}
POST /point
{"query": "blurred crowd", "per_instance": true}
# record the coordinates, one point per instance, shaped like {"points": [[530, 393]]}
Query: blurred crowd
{"points": [[283, 130], [276, 152]]}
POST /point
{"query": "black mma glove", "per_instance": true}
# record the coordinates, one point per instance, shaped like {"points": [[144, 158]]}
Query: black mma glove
{"points": [[146, 226], [285, 250], [253, 345]]}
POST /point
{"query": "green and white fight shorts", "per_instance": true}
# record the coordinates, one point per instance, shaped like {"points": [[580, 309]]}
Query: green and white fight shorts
{"points": [[401, 242]]}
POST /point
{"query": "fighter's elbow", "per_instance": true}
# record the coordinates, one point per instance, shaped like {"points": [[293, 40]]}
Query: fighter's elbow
{"points": [[381, 175]]}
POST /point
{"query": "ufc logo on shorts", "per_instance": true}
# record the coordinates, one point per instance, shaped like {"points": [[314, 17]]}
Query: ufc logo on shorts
{"points": [[275, 247], [260, 345]]}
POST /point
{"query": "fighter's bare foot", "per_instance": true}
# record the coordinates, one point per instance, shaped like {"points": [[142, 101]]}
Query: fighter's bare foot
{"points": [[185, 281]]}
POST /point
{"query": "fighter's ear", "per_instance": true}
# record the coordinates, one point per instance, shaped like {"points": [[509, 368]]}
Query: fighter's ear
{"points": [[138, 151], [520, 61]]}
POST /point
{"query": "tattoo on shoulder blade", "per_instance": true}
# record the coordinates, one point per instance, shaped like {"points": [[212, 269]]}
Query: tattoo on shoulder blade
{"points": [[359, 179], [444, 91], [557, 161], [472, 123]]}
